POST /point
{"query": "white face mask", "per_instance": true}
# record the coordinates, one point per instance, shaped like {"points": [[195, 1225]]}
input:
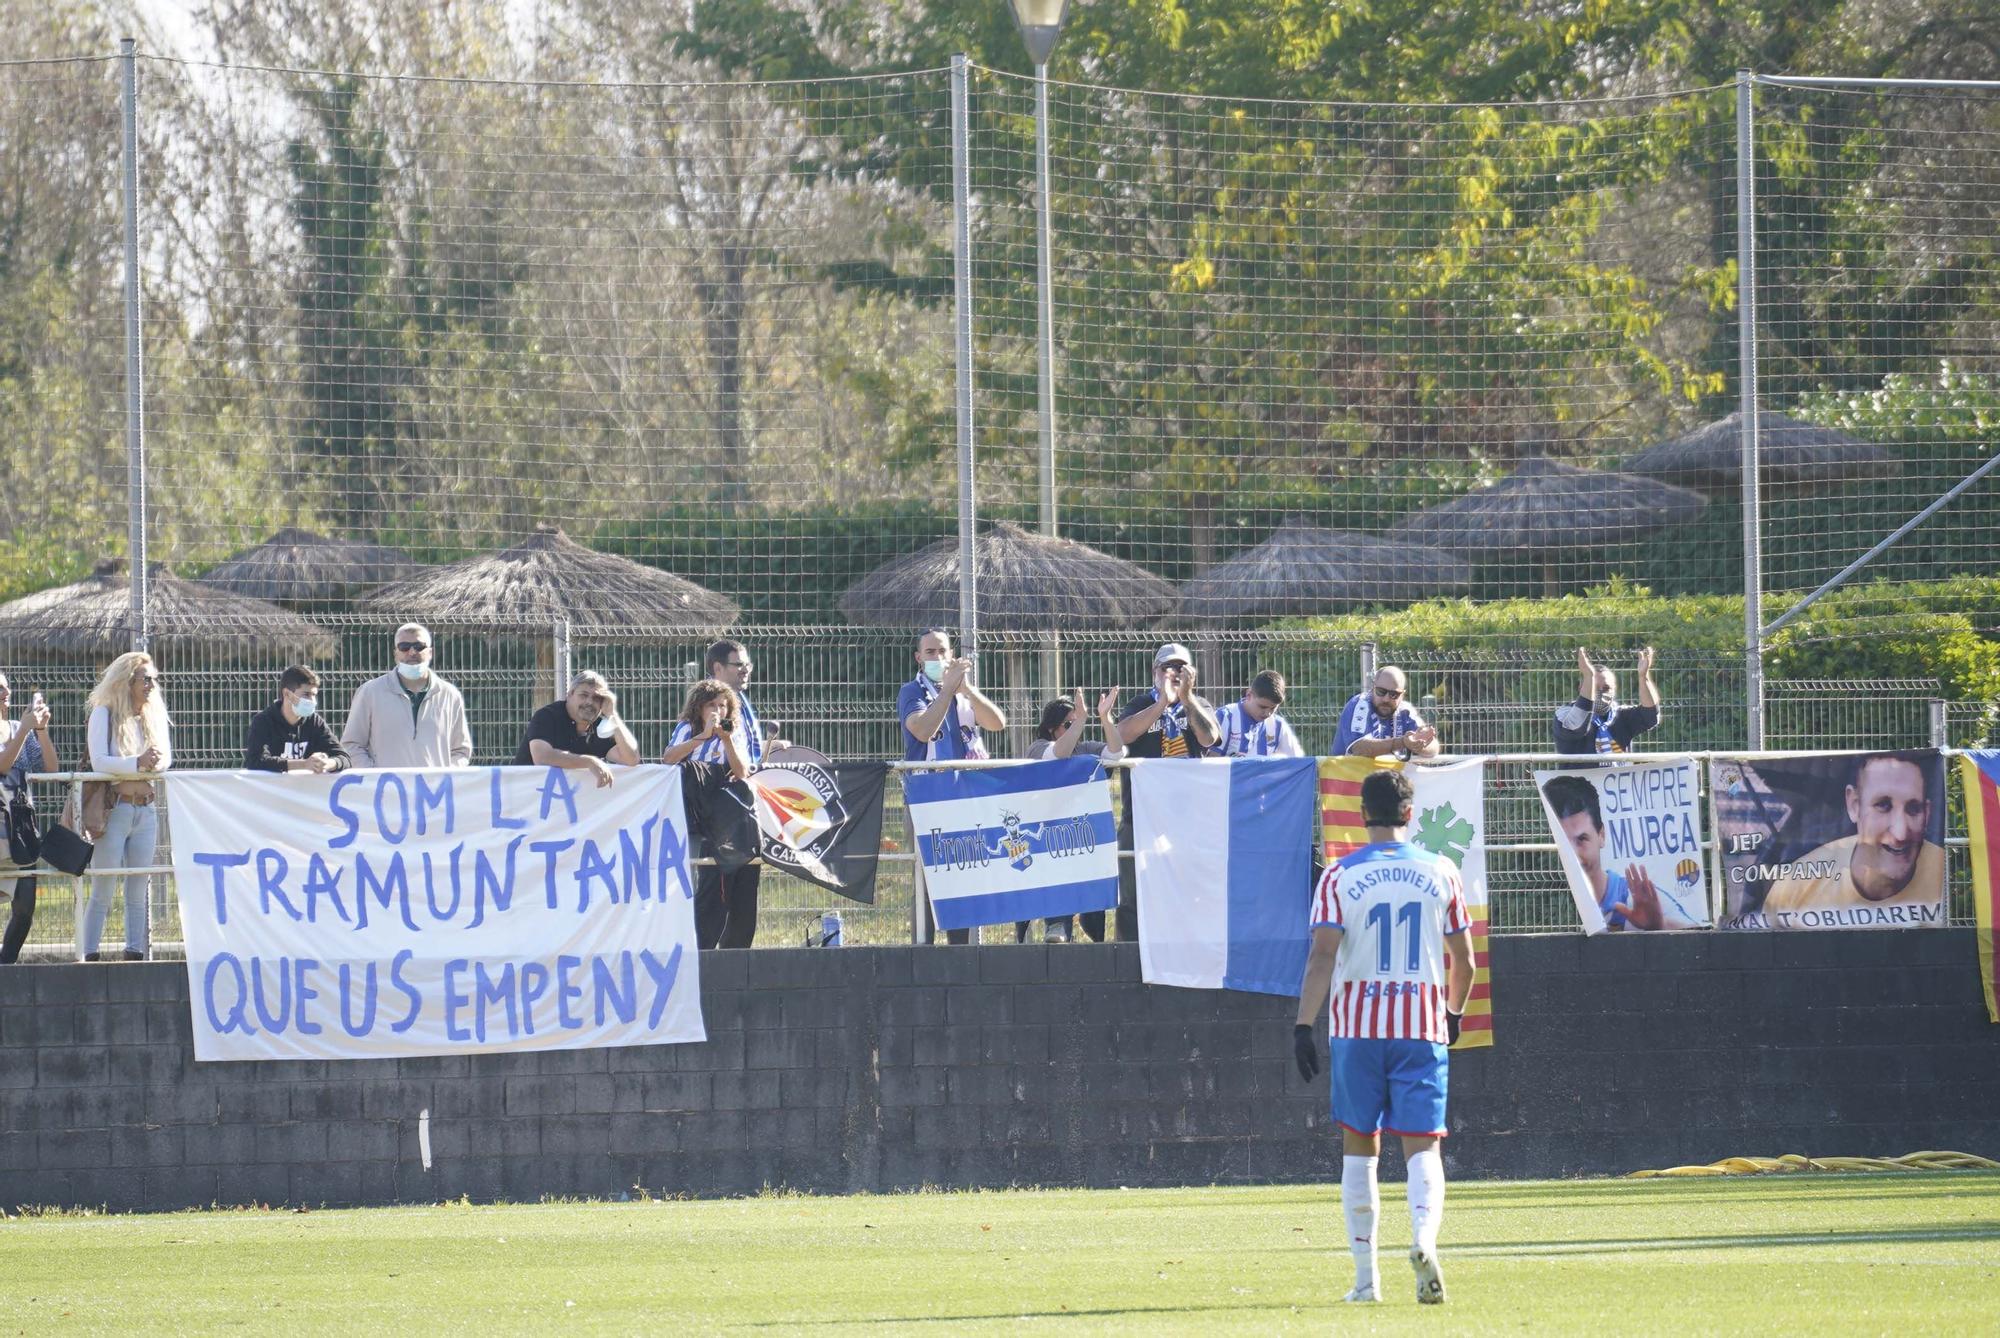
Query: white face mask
{"points": [[412, 672], [304, 707]]}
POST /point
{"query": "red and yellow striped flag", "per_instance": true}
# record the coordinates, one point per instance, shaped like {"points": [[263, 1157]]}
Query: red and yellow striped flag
{"points": [[1981, 773], [1341, 832]]}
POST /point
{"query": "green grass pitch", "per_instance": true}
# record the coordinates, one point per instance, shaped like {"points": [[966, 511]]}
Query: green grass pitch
{"points": [[1887, 1254]]}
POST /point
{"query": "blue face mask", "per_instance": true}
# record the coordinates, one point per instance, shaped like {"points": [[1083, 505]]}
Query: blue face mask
{"points": [[934, 670], [304, 707], [412, 672]]}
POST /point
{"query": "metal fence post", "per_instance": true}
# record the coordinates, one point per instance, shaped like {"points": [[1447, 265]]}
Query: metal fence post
{"points": [[135, 369], [961, 218], [1746, 342], [1940, 724], [1369, 652], [559, 638]]}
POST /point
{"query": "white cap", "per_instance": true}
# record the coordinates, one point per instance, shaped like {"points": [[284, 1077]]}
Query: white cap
{"points": [[1170, 652]]}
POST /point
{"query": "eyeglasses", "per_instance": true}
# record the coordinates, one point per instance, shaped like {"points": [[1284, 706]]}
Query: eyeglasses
{"points": [[1391, 693], [412, 647], [150, 678], [737, 664]]}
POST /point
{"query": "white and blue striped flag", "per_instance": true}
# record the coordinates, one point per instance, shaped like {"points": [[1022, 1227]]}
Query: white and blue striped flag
{"points": [[1224, 854], [1015, 843]]}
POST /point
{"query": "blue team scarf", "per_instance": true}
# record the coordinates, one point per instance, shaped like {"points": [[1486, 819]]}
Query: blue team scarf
{"points": [[971, 745], [1173, 721], [1602, 724]]}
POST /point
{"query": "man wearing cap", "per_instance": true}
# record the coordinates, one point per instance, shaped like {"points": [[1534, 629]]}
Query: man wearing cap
{"points": [[1166, 720], [1381, 721]]}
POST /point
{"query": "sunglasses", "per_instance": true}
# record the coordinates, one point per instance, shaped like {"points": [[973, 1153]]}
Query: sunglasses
{"points": [[151, 678], [416, 647], [1388, 692]]}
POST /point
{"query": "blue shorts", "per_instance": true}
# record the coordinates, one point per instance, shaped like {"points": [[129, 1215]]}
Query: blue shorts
{"points": [[1397, 1086]]}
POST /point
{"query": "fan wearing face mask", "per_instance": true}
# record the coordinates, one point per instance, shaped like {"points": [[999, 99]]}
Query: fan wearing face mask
{"points": [[1597, 722], [290, 734]]}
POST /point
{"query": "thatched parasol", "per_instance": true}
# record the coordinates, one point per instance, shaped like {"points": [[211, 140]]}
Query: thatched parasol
{"points": [[1789, 452], [93, 619], [547, 586], [296, 566], [1027, 583], [1546, 508], [550, 578], [1305, 569]]}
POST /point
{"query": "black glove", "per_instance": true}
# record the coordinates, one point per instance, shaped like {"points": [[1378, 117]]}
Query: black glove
{"points": [[1452, 1023], [1304, 1053]]}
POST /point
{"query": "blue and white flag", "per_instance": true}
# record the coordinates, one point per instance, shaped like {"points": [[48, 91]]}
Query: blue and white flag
{"points": [[1224, 855], [1015, 843]]}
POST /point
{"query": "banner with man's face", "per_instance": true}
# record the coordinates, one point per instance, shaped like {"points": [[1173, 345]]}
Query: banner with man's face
{"points": [[1629, 837], [1840, 841]]}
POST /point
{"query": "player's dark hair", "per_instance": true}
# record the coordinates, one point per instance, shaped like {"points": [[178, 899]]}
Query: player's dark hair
{"points": [[950, 637], [1386, 798], [1053, 716], [296, 677], [719, 653], [1915, 759], [1571, 795], [1270, 685]]}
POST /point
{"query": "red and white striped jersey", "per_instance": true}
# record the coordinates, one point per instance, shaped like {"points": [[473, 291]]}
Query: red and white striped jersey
{"points": [[1394, 903]]}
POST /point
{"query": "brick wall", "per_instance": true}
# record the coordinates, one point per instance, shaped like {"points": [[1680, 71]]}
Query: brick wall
{"points": [[885, 1068]]}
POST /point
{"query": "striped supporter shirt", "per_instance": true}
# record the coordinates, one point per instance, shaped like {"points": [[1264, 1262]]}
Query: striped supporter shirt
{"points": [[1395, 903]]}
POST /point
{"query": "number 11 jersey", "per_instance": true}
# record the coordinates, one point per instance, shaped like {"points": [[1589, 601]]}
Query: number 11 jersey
{"points": [[1394, 903]]}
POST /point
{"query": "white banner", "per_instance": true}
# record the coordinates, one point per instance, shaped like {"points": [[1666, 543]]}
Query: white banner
{"points": [[1449, 819], [1629, 837], [374, 914]]}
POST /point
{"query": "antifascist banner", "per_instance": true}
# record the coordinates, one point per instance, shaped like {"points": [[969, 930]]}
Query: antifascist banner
{"points": [[819, 820], [374, 914], [1629, 838], [1015, 843], [1980, 772], [1448, 818], [1840, 841]]}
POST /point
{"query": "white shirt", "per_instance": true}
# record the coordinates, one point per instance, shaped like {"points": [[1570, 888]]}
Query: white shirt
{"points": [[1240, 736], [103, 759]]}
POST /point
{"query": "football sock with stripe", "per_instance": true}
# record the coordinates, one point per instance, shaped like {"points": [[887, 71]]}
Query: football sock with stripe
{"points": [[1359, 1204], [1426, 1190]]}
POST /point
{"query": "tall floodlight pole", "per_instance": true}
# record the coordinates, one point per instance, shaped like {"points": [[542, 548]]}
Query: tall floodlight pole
{"points": [[1040, 22]]}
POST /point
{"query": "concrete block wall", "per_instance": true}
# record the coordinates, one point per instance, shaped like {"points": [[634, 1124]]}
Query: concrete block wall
{"points": [[875, 1069]]}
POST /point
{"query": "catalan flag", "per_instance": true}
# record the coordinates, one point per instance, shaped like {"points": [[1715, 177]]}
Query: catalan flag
{"points": [[1981, 773], [1449, 819]]}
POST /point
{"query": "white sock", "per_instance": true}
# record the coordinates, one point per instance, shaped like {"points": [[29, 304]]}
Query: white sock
{"points": [[1426, 1198], [1359, 1204]]}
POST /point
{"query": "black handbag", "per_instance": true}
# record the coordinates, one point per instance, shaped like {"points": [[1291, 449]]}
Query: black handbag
{"points": [[65, 851], [24, 837]]}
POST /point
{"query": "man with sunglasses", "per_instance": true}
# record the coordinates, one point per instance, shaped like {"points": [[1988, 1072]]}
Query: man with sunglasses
{"points": [[1381, 721], [409, 717]]}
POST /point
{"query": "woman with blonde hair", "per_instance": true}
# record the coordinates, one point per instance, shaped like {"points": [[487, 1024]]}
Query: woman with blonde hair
{"points": [[130, 736]]}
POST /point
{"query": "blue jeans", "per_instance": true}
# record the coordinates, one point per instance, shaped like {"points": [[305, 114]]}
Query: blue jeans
{"points": [[131, 834]]}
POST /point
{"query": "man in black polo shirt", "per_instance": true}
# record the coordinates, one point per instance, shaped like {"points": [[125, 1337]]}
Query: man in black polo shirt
{"points": [[579, 732]]}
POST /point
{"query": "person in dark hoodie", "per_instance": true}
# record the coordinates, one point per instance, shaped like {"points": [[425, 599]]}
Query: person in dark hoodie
{"points": [[290, 734]]}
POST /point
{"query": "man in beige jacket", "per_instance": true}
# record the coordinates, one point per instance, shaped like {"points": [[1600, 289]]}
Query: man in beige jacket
{"points": [[409, 717]]}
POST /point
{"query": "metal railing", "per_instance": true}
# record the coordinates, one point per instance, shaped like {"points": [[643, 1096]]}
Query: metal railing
{"points": [[1527, 890]]}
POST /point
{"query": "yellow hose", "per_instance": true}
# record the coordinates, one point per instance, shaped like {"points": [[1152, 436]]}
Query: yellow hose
{"points": [[1792, 1161]]}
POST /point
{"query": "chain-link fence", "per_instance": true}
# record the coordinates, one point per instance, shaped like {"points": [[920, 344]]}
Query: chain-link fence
{"points": [[1331, 386]]}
